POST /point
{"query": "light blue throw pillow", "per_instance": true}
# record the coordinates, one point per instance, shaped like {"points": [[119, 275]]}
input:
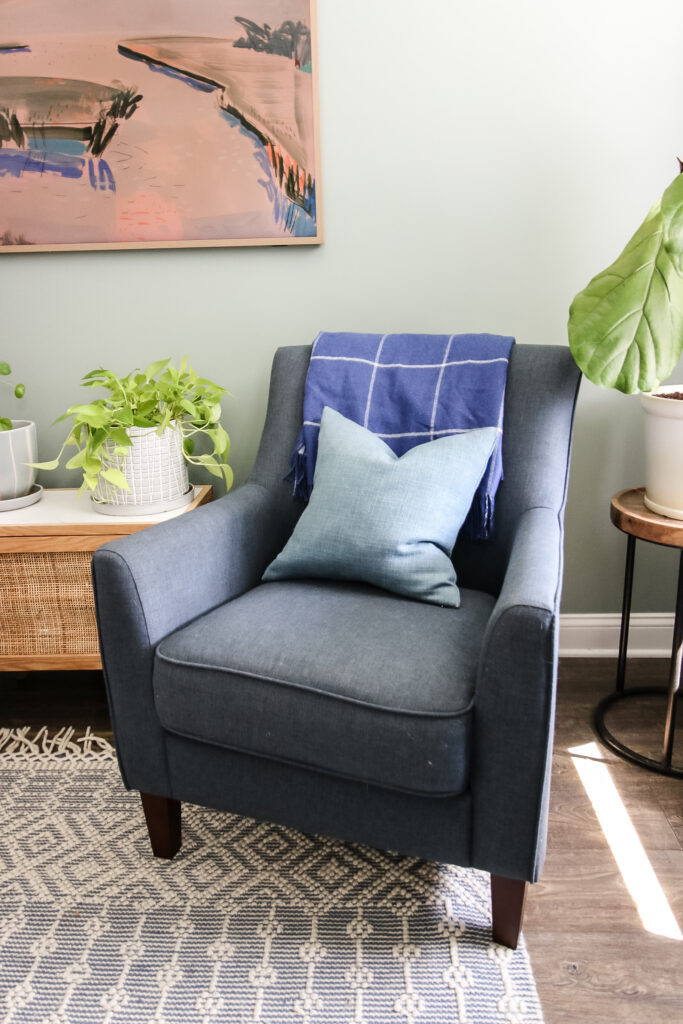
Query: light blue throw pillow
{"points": [[385, 520]]}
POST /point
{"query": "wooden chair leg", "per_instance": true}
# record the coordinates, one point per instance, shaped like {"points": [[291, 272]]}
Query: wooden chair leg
{"points": [[507, 904], [162, 815]]}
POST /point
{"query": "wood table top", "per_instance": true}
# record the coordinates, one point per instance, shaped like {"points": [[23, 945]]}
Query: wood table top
{"points": [[629, 514]]}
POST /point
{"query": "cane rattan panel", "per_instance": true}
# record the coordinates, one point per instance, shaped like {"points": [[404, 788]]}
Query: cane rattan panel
{"points": [[47, 603]]}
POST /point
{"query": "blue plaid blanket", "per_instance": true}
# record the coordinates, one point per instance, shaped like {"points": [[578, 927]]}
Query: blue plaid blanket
{"points": [[408, 389]]}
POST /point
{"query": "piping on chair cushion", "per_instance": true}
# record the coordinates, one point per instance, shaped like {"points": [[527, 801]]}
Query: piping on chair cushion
{"points": [[323, 674], [385, 520]]}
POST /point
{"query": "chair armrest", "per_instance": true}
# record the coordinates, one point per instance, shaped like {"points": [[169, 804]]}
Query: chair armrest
{"points": [[153, 582], [515, 704]]}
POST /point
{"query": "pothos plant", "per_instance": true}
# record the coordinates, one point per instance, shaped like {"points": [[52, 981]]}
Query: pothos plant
{"points": [[161, 396], [19, 389]]}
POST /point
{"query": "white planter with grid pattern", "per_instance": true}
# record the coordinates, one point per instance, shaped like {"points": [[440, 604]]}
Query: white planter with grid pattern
{"points": [[156, 473]]}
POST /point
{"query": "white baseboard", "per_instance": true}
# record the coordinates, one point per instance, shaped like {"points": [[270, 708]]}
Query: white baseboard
{"points": [[597, 636]]}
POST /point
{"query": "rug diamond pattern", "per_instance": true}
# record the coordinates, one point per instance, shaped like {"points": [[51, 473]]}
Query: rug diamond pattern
{"points": [[250, 921]]}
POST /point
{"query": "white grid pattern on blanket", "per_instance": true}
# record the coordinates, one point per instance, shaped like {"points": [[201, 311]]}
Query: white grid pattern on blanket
{"points": [[409, 366], [445, 362]]}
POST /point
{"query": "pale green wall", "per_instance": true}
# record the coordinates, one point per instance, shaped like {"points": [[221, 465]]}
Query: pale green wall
{"points": [[481, 160]]}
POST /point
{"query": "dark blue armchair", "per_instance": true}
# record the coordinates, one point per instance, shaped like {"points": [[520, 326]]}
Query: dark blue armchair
{"points": [[339, 708]]}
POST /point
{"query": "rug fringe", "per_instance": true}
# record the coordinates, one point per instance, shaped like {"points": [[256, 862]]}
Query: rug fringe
{"points": [[63, 744]]}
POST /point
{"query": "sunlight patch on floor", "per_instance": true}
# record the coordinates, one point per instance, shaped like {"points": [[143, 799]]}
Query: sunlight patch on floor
{"points": [[627, 849]]}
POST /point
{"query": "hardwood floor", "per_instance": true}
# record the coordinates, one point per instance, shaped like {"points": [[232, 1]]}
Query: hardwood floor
{"points": [[593, 959]]}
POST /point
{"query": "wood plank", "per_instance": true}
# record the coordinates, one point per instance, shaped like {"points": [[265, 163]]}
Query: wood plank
{"points": [[604, 978], [44, 662], [593, 959], [630, 514], [56, 542]]}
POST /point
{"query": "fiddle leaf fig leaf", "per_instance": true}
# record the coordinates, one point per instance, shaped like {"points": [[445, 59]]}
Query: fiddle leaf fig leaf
{"points": [[672, 216], [626, 326]]}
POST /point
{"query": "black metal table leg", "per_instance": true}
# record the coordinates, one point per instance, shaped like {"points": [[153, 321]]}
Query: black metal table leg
{"points": [[665, 766], [626, 611], [674, 672]]}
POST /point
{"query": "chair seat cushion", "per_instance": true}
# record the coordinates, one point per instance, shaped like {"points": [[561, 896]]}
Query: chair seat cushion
{"points": [[338, 677]]}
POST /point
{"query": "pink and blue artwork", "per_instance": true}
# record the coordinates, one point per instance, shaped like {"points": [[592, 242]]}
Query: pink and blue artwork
{"points": [[140, 123]]}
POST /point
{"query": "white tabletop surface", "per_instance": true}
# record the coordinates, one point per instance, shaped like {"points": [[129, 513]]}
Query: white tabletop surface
{"points": [[63, 506]]}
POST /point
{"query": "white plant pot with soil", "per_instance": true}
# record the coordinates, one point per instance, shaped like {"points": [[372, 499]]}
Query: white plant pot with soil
{"points": [[664, 450], [155, 470], [17, 448]]}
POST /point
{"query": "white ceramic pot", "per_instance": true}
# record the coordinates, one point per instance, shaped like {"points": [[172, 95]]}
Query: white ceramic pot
{"points": [[664, 451], [156, 473], [17, 448]]}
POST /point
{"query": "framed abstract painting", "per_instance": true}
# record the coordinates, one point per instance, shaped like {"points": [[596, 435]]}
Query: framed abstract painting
{"points": [[158, 123]]}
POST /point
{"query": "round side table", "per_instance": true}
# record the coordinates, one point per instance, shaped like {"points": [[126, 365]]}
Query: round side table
{"points": [[630, 515]]}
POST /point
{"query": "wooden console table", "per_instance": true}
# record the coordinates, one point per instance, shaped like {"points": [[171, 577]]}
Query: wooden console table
{"points": [[47, 609]]}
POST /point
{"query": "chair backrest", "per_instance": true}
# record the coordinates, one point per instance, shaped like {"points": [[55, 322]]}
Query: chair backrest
{"points": [[540, 397]]}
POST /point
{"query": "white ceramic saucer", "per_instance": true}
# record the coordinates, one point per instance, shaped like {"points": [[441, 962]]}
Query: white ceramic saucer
{"points": [[35, 494]]}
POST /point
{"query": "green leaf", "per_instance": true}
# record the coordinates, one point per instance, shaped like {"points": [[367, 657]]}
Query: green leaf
{"points": [[119, 435], [45, 465], [5, 369], [165, 420], [221, 442], [115, 477], [154, 368], [94, 415], [97, 439], [626, 326], [20, 391], [90, 482], [189, 406], [212, 411], [5, 424], [77, 461], [672, 216], [124, 417]]}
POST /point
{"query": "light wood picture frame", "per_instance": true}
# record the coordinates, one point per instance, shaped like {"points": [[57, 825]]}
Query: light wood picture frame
{"points": [[138, 124]]}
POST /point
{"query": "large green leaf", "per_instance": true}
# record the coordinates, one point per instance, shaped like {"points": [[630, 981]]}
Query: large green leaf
{"points": [[672, 217], [626, 326]]}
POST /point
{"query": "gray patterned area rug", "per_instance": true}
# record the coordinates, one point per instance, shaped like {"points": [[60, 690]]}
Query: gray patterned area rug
{"points": [[249, 923]]}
